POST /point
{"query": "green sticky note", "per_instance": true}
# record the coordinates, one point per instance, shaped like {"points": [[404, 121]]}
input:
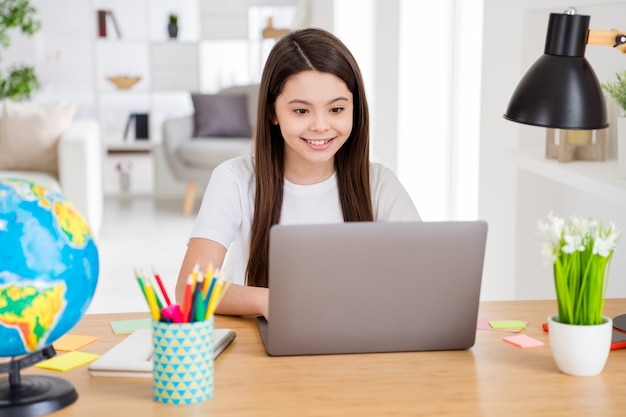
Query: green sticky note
{"points": [[129, 326], [507, 324]]}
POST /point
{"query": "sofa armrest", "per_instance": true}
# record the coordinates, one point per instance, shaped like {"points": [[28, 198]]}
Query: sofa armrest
{"points": [[176, 131], [80, 170]]}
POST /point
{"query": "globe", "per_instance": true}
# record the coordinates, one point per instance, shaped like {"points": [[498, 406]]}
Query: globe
{"points": [[48, 266]]}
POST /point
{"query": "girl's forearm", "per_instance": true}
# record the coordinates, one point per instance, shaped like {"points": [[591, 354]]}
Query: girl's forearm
{"points": [[240, 300]]}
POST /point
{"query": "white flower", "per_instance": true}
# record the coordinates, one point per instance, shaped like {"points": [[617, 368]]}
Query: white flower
{"points": [[602, 247], [574, 235], [605, 243], [548, 253], [573, 243], [552, 230]]}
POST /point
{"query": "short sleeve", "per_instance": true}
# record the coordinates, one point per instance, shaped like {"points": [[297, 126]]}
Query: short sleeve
{"points": [[390, 200], [220, 213]]}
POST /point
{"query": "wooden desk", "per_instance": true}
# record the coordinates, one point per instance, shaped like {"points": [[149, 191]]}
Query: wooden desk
{"points": [[491, 379]]}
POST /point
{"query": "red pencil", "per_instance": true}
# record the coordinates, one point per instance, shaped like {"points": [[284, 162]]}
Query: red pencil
{"points": [[186, 307], [158, 280]]}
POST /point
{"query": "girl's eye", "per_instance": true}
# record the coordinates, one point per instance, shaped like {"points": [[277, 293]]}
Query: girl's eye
{"points": [[336, 109], [300, 111]]}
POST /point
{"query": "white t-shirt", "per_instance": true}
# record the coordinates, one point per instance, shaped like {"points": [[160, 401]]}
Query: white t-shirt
{"points": [[227, 208]]}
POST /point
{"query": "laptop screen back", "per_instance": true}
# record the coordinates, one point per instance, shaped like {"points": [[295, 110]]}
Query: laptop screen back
{"points": [[374, 287]]}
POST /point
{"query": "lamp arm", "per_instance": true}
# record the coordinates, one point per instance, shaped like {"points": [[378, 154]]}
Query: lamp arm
{"points": [[612, 37]]}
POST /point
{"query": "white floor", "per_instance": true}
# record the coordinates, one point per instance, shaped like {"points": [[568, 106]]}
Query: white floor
{"points": [[139, 233]]}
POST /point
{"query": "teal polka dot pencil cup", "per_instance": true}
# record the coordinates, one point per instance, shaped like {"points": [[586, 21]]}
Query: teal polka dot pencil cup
{"points": [[182, 362]]}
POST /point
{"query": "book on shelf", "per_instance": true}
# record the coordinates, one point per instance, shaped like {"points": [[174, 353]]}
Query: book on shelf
{"points": [[103, 17], [141, 124], [132, 357], [102, 23]]}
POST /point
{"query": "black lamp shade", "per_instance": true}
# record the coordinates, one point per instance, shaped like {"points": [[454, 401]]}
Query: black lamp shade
{"points": [[561, 90]]}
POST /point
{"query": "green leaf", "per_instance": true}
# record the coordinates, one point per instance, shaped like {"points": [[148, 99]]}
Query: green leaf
{"points": [[617, 89], [20, 83]]}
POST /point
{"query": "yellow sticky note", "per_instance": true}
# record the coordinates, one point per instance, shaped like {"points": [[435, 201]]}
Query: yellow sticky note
{"points": [[507, 324], [72, 342], [67, 361]]}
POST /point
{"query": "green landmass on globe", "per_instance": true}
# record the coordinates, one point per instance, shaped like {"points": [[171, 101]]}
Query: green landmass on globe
{"points": [[48, 266], [31, 311]]}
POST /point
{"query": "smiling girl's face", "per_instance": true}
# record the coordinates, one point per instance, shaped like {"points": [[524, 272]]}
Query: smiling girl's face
{"points": [[314, 113]]}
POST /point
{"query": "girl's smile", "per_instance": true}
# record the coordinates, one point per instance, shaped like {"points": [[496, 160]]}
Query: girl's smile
{"points": [[319, 144]]}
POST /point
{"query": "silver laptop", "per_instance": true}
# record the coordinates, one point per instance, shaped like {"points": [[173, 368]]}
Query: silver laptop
{"points": [[373, 287]]}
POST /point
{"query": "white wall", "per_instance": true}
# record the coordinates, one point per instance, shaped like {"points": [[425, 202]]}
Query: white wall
{"points": [[438, 106], [421, 74], [510, 199]]}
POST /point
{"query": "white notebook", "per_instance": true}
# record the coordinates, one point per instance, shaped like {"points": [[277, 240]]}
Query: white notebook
{"points": [[132, 357]]}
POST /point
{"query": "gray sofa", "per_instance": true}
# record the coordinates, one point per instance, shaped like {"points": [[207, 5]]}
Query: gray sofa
{"points": [[192, 159]]}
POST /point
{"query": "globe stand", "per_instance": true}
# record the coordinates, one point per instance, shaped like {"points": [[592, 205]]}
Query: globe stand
{"points": [[33, 395]]}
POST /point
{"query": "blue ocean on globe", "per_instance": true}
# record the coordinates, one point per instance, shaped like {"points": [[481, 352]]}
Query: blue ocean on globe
{"points": [[48, 266]]}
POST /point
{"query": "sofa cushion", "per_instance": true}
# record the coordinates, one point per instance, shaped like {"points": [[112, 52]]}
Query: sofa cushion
{"points": [[221, 115], [29, 135], [211, 152], [39, 178]]}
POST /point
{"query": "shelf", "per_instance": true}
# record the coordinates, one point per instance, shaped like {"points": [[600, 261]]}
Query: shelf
{"points": [[597, 178], [144, 146]]}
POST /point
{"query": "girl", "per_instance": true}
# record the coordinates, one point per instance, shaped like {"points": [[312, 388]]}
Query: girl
{"points": [[310, 165]]}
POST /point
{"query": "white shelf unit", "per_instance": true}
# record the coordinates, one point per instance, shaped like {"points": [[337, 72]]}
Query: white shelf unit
{"points": [[581, 188], [174, 66], [168, 69], [598, 179], [164, 65]]}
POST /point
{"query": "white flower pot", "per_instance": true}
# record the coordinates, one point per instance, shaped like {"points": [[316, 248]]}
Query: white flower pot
{"points": [[580, 350], [621, 146]]}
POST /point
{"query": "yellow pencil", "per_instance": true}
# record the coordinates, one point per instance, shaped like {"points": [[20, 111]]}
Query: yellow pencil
{"points": [[152, 300], [194, 273], [214, 297], [221, 295]]}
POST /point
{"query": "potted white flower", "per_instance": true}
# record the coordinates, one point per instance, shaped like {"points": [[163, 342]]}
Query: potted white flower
{"points": [[580, 250]]}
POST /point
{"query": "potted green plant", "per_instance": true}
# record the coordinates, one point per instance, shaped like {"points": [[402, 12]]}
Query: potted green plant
{"points": [[580, 250], [172, 26], [617, 90], [20, 80]]}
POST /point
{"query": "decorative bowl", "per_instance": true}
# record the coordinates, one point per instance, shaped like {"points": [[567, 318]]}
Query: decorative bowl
{"points": [[123, 82]]}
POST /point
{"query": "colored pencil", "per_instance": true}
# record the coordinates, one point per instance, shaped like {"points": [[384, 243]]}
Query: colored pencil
{"points": [[214, 296], [185, 307], [140, 282], [146, 279], [188, 295], [207, 296], [208, 278], [157, 278], [196, 300], [152, 300], [219, 298]]}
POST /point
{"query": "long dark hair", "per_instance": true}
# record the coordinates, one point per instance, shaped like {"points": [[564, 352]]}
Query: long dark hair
{"points": [[305, 50]]}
